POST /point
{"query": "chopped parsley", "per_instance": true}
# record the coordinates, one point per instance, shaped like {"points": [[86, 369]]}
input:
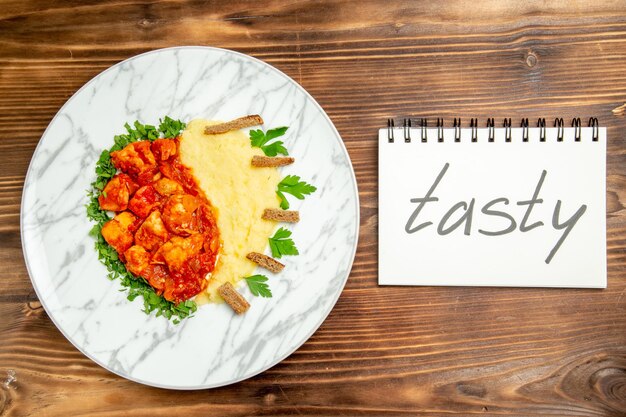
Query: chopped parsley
{"points": [[258, 139], [291, 184], [258, 286], [170, 127], [134, 286], [281, 244]]}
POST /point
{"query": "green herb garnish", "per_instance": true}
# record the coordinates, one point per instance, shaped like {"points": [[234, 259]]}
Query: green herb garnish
{"points": [[170, 127], [281, 244], [259, 139], [135, 286], [291, 184], [258, 286]]}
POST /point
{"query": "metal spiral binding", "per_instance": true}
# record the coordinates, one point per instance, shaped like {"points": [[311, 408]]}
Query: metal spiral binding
{"points": [[390, 127], [440, 129], [407, 130], [576, 125], [524, 125], [541, 123], [492, 130], [474, 126], [558, 122], [593, 122], [424, 125], [457, 130], [507, 127]]}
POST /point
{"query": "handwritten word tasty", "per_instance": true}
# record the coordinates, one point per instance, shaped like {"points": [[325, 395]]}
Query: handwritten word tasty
{"points": [[467, 210]]}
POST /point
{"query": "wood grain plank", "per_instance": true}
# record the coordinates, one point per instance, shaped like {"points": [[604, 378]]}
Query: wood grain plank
{"points": [[497, 367], [382, 351]]}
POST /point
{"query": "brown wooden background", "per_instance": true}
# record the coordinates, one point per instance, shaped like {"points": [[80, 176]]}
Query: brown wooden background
{"points": [[391, 351]]}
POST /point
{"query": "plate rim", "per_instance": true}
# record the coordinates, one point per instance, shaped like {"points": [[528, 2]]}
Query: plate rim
{"points": [[357, 222]]}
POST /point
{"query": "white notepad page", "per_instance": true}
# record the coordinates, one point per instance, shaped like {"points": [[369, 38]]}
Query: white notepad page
{"points": [[420, 245]]}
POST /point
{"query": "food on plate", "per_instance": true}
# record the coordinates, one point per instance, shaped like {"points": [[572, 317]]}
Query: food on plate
{"points": [[271, 161], [117, 192], [277, 215], [118, 232], [240, 193], [266, 262], [169, 238], [183, 214], [235, 300]]}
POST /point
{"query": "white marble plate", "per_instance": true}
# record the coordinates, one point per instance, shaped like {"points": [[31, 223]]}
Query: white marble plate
{"points": [[215, 347]]}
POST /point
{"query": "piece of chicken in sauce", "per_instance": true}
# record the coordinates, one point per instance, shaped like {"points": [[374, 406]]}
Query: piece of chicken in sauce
{"points": [[178, 250], [167, 187], [118, 232], [152, 232], [116, 193], [139, 262], [138, 161], [163, 149], [179, 213], [144, 201]]}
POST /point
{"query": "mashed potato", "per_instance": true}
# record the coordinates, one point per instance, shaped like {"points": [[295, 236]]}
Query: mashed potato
{"points": [[239, 193]]}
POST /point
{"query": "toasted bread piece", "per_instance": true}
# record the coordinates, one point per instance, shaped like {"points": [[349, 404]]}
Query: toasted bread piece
{"points": [[278, 215], [240, 123], [268, 161], [233, 298], [265, 261]]}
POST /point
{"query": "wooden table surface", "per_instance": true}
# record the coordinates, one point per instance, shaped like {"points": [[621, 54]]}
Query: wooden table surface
{"points": [[382, 350]]}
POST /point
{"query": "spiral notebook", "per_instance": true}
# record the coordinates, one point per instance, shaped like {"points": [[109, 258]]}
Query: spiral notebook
{"points": [[492, 206]]}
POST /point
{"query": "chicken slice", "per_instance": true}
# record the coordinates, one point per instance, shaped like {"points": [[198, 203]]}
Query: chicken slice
{"points": [[137, 260], [178, 250], [157, 276], [144, 201], [167, 187], [178, 213], [163, 149], [137, 160], [118, 232], [116, 193], [152, 233]]}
